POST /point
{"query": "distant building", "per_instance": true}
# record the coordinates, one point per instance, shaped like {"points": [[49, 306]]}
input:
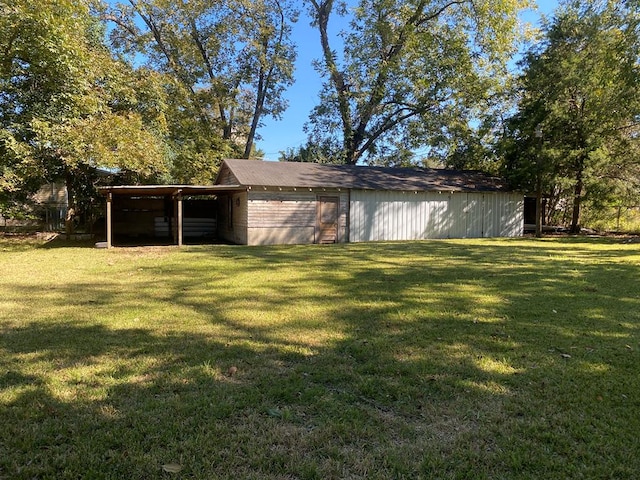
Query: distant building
{"points": [[51, 204], [46, 210]]}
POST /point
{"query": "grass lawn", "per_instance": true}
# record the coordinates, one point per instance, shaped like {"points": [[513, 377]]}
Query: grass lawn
{"points": [[468, 359]]}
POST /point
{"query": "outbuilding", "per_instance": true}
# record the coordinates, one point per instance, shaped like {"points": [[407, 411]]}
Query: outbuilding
{"points": [[264, 203]]}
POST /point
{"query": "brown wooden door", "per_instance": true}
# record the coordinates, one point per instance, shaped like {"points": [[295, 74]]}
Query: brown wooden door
{"points": [[327, 210]]}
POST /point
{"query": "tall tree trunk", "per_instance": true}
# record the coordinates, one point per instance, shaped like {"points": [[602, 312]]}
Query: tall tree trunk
{"points": [[539, 213], [577, 199], [69, 227], [323, 11], [257, 112]]}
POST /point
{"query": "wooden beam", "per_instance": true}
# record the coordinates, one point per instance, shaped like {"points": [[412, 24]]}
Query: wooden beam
{"points": [[179, 203], [109, 231]]}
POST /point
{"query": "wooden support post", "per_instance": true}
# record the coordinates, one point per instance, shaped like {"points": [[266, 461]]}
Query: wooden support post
{"points": [[179, 202], [109, 231]]}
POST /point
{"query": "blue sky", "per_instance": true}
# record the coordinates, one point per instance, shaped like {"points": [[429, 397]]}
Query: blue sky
{"points": [[302, 96]]}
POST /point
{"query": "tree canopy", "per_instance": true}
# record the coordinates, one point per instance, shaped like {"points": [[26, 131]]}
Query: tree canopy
{"points": [[578, 120], [407, 71], [230, 62], [66, 105]]}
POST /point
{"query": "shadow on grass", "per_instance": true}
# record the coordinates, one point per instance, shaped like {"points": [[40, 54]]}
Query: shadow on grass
{"points": [[433, 359]]}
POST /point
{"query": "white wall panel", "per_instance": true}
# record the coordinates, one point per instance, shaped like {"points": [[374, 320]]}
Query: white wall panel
{"points": [[384, 216], [474, 215], [457, 215], [513, 216], [492, 217]]}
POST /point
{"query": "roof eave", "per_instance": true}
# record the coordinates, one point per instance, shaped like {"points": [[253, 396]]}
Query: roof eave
{"points": [[161, 190]]}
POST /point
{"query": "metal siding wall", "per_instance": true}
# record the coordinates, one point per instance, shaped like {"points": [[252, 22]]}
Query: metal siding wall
{"points": [[384, 216], [503, 215], [457, 215], [513, 220], [474, 212], [517, 223], [437, 225], [492, 215]]}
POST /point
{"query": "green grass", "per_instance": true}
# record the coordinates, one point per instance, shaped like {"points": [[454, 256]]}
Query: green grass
{"points": [[474, 359]]}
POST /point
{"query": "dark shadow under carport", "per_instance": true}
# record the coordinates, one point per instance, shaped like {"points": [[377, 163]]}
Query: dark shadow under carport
{"points": [[162, 214]]}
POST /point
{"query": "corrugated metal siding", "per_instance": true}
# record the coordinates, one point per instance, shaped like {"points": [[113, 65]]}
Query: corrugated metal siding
{"points": [[512, 215], [381, 216]]}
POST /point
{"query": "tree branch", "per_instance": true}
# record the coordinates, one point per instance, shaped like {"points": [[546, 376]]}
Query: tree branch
{"points": [[108, 17], [323, 12], [440, 11], [264, 81], [173, 63], [379, 86], [195, 36], [388, 124]]}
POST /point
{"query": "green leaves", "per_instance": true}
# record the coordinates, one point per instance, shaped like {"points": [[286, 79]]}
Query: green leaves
{"points": [[68, 105], [581, 90], [407, 69], [231, 61]]}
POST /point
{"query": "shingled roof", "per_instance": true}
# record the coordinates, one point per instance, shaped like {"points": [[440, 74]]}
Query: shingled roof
{"points": [[254, 173]]}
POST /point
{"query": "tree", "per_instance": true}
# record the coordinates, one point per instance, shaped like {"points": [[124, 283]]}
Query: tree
{"points": [[581, 92], [231, 62], [67, 106], [310, 153], [407, 70]]}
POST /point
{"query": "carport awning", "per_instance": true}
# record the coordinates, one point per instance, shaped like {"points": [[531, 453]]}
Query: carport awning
{"points": [[162, 190], [175, 191]]}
